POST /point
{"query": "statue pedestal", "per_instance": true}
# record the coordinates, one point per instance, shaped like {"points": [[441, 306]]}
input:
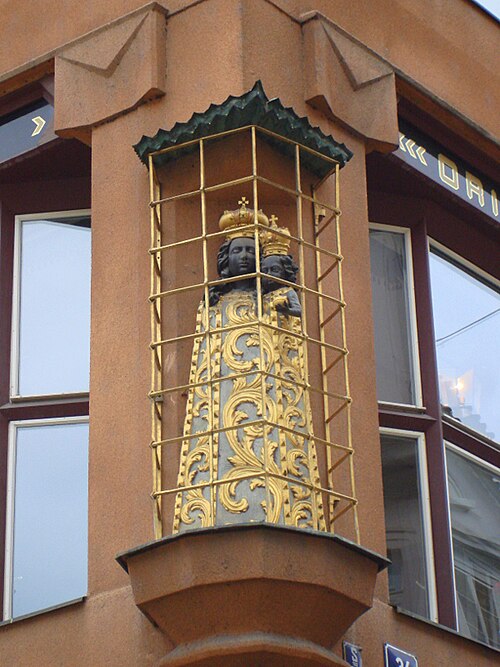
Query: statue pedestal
{"points": [[252, 594]]}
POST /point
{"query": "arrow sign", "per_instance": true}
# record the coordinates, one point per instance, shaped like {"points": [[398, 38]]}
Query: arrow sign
{"points": [[39, 122]]}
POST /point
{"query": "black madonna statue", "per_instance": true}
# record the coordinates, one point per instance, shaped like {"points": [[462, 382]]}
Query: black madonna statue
{"points": [[248, 448]]}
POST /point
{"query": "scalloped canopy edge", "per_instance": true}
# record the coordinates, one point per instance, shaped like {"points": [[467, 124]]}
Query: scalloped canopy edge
{"points": [[251, 108]]}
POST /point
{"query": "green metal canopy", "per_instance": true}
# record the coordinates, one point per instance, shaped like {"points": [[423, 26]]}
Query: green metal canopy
{"points": [[251, 108]]}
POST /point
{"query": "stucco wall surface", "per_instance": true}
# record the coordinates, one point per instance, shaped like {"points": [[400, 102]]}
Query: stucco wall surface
{"points": [[215, 48], [448, 47]]}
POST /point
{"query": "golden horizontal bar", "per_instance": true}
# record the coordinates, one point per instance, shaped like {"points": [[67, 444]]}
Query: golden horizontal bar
{"points": [[209, 332], [176, 290], [255, 422], [243, 129], [296, 193], [168, 246], [329, 419], [341, 460], [325, 225], [261, 475], [333, 363], [259, 226], [352, 505], [326, 158], [244, 179], [330, 317], [228, 184], [327, 272], [201, 434], [193, 385], [256, 371], [207, 188], [177, 197], [191, 142]]}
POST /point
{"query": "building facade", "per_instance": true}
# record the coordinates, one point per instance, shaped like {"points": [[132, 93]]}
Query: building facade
{"points": [[359, 138]]}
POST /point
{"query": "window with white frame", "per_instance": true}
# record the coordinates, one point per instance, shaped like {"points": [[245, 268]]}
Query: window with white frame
{"points": [[436, 305], [474, 492], [44, 362], [51, 307], [46, 546], [394, 316], [46, 519], [406, 508]]}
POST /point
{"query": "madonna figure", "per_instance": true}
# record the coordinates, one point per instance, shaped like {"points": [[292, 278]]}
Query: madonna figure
{"points": [[233, 457], [282, 310]]}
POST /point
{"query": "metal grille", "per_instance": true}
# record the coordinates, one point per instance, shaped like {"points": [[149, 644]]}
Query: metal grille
{"points": [[182, 272]]}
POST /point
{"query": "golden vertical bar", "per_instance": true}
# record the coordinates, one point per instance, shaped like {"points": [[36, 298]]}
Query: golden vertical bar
{"points": [[259, 320], [208, 337], [324, 378], [344, 345], [302, 276], [156, 365]]}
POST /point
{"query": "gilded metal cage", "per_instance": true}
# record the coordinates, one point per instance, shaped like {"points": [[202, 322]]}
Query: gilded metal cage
{"points": [[295, 455]]}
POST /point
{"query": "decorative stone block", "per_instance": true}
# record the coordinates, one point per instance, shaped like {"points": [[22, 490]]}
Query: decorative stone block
{"points": [[252, 594], [110, 71], [348, 82]]}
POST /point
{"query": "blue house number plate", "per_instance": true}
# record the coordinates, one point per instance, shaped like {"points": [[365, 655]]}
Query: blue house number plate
{"points": [[352, 654], [395, 657]]}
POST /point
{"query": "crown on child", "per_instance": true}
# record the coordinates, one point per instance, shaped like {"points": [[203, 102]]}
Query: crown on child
{"points": [[234, 222], [275, 240]]}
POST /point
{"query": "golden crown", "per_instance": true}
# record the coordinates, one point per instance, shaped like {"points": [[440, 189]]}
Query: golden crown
{"points": [[234, 222], [276, 240]]}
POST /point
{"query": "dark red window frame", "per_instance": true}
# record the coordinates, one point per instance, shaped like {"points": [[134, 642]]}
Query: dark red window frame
{"points": [[53, 177], [399, 196]]}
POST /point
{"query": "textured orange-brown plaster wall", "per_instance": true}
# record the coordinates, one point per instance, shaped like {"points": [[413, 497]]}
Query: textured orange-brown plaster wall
{"points": [[217, 48], [449, 48], [106, 630], [204, 59], [119, 457], [430, 644]]}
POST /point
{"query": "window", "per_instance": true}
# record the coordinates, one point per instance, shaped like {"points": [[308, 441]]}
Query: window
{"points": [[467, 325], [48, 459], [474, 491], [46, 554], [394, 322], [411, 576], [44, 360], [436, 303], [51, 323]]}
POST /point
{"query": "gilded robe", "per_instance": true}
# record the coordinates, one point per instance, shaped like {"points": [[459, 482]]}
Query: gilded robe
{"points": [[248, 453]]}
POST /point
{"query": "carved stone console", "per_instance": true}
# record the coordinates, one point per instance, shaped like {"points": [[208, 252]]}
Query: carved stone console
{"points": [[252, 594]]}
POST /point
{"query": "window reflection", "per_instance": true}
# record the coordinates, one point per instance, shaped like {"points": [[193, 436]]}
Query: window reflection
{"points": [[408, 585], [466, 322], [475, 520], [391, 316], [54, 306]]}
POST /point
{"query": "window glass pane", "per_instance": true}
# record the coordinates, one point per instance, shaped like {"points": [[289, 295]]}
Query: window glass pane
{"points": [[408, 585], [395, 381], [54, 319], [50, 516], [475, 520], [467, 329]]}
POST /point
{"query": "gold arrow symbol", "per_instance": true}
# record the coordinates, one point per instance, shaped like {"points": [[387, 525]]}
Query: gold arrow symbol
{"points": [[39, 122], [420, 152], [401, 144], [409, 145]]}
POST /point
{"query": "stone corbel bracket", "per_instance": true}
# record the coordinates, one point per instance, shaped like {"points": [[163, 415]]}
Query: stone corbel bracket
{"points": [[349, 83], [110, 71]]}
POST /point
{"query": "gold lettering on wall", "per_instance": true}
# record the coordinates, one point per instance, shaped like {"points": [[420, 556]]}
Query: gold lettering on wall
{"points": [[450, 179], [474, 187], [494, 203]]}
